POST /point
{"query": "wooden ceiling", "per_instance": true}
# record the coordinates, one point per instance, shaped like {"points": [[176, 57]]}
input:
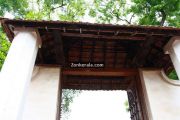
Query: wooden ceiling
{"points": [[97, 79], [118, 47], [115, 46]]}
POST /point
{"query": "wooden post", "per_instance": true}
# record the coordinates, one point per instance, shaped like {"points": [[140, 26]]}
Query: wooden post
{"points": [[59, 99]]}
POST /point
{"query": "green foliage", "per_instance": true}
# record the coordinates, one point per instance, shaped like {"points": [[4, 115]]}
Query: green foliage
{"points": [[4, 46], [173, 75], [73, 11], [67, 98], [34, 15], [16, 7], [110, 11], [156, 12], [66, 10], [142, 12], [126, 104]]}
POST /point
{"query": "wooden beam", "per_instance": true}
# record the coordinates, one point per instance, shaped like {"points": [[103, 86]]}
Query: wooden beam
{"points": [[59, 99], [130, 32], [104, 52], [99, 72], [140, 58], [80, 51], [104, 36], [65, 26], [60, 58], [92, 51], [115, 54], [77, 25]]}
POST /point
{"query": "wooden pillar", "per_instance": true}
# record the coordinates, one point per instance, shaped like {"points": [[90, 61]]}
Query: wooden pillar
{"points": [[173, 49], [59, 99], [16, 74]]}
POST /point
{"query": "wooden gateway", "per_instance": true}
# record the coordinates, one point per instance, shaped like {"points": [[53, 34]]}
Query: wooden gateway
{"points": [[104, 57]]}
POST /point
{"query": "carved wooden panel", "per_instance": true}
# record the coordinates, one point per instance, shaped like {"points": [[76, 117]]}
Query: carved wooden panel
{"points": [[134, 105]]}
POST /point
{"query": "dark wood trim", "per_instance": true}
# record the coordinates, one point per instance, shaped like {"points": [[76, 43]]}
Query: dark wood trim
{"points": [[103, 36], [115, 54], [59, 99], [80, 51], [141, 55], [141, 97], [57, 24], [132, 85], [48, 65], [99, 72], [60, 58], [92, 51]]}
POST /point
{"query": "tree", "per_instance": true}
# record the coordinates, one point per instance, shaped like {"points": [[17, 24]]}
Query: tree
{"points": [[109, 11], [73, 11], [17, 7], [141, 12], [4, 46], [67, 99], [156, 12], [66, 10], [173, 75]]}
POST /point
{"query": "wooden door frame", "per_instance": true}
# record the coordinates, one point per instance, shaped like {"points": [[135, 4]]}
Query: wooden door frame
{"points": [[136, 84]]}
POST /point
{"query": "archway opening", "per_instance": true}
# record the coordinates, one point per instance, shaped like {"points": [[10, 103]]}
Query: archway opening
{"points": [[95, 105]]}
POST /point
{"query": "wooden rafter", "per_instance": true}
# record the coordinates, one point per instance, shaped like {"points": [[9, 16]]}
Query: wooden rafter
{"points": [[140, 58], [60, 58], [92, 51], [104, 52], [103, 36], [115, 54], [80, 51]]}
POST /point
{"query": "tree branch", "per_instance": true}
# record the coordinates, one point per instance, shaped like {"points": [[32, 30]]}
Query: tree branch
{"points": [[118, 17], [57, 7], [131, 18], [125, 20], [62, 4], [163, 17]]}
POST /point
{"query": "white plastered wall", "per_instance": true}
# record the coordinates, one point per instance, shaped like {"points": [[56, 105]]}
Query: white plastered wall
{"points": [[41, 100], [16, 74], [163, 97], [173, 49]]}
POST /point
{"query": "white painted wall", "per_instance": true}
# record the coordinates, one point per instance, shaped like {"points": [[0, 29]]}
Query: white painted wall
{"points": [[41, 99], [173, 49], [16, 74], [163, 98]]}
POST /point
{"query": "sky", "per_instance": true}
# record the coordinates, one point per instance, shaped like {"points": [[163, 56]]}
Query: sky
{"points": [[99, 105]]}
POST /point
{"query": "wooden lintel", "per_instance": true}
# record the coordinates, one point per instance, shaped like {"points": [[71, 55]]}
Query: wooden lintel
{"points": [[104, 36], [99, 72]]}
